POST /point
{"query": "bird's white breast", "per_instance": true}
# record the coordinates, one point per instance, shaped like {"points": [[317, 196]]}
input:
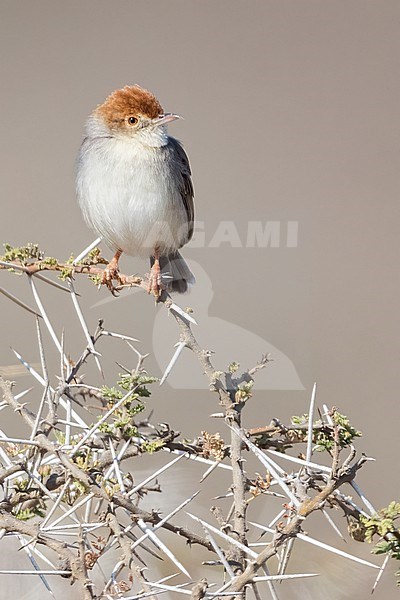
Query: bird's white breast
{"points": [[129, 196]]}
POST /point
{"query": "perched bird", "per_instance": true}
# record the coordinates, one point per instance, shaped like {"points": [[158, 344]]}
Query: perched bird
{"points": [[134, 187]]}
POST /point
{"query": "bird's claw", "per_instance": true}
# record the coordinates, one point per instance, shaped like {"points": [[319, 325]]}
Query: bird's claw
{"points": [[110, 273], [155, 283]]}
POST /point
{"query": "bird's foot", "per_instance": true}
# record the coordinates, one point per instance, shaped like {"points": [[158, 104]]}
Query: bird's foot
{"points": [[155, 284], [111, 273]]}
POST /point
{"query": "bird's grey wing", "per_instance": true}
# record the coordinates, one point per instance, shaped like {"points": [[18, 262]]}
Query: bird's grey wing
{"points": [[181, 161]]}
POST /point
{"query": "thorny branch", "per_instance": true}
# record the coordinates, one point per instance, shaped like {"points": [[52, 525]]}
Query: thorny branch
{"points": [[73, 562], [55, 477]]}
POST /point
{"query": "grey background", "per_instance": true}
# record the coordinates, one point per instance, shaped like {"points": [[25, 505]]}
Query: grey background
{"points": [[291, 114]]}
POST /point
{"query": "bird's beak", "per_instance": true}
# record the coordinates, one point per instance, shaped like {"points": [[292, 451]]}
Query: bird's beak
{"points": [[165, 118]]}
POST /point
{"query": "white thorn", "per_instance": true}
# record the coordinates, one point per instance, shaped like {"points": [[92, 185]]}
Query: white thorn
{"points": [[180, 347], [86, 251], [310, 423], [185, 316]]}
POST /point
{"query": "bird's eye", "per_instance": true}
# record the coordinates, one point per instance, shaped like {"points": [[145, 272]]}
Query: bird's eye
{"points": [[132, 120]]}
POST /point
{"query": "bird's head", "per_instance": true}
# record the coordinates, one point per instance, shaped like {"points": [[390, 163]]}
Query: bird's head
{"points": [[134, 113]]}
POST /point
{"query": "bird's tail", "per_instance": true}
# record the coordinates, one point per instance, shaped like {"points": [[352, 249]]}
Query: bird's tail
{"points": [[177, 275]]}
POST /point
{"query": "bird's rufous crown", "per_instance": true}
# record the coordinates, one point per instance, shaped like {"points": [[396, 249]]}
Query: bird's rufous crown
{"points": [[130, 100]]}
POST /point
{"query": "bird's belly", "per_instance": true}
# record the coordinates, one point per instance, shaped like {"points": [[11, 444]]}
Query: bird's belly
{"points": [[134, 210]]}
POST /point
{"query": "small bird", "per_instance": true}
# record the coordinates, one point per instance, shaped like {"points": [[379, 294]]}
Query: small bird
{"points": [[134, 187]]}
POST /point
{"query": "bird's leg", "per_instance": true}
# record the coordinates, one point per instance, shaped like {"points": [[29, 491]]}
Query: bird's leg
{"points": [[112, 272], [154, 284]]}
